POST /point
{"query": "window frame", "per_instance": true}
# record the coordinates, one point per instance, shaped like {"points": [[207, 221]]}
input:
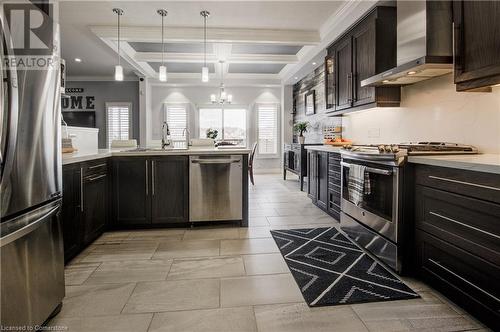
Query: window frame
{"points": [[223, 109], [277, 118], [186, 108], [109, 105]]}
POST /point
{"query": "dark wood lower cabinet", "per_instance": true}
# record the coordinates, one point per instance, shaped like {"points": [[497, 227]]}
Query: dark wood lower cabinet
{"points": [[457, 220], [95, 206], [324, 181], [70, 216], [150, 191], [85, 208], [131, 191], [170, 190]]}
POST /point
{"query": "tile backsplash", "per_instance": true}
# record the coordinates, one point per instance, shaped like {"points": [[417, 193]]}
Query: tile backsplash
{"points": [[432, 111]]}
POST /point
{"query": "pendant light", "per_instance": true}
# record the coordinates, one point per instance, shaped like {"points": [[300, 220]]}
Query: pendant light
{"points": [[118, 67], [162, 75], [224, 98], [204, 71]]}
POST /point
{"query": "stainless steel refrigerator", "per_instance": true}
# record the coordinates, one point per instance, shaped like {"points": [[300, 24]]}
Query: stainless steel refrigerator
{"points": [[31, 247]]}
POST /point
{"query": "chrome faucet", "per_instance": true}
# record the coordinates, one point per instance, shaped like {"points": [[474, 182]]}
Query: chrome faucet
{"points": [[165, 141], [188, 136]]}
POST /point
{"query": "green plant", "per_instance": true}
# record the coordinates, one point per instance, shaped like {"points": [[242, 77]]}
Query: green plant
{"points": [[212, 133], [301, 127]]}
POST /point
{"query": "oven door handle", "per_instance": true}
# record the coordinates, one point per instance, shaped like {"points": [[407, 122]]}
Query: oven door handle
{"points": [[371, 169]]}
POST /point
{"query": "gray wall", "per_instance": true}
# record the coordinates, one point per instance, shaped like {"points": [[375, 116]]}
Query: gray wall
{"points": [[109, 91]]}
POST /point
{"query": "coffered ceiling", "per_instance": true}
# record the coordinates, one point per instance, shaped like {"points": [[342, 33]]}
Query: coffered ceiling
{"points": [[258, 40]]}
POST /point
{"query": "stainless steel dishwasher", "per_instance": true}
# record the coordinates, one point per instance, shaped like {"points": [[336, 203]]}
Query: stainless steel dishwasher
{"points": [[215, 188]]}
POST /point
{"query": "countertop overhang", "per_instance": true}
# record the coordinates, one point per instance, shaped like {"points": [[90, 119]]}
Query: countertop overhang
{"points": [[76, 157]]}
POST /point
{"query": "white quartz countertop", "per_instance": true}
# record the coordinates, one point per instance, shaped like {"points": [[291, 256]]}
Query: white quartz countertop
{"points": [[326, 148], [489, 163], [70, 158]]}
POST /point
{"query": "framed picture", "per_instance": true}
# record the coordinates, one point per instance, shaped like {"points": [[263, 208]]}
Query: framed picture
{"points": [[310, 103]]}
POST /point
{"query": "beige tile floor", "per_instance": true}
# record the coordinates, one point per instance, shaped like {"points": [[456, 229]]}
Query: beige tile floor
{"points": [[227, 279]]}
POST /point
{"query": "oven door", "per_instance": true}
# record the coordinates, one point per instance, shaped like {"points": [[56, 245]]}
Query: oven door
{"points": [[379, 208]]}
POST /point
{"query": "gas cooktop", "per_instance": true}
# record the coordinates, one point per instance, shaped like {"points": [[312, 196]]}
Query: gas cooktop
{"points": [[399, 152]]}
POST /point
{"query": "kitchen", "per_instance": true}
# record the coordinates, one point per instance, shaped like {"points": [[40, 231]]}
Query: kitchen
{"points": [[153, 227]]}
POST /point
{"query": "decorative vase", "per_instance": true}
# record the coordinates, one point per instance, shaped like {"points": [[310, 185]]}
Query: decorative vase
{"points": [[302, 139]]}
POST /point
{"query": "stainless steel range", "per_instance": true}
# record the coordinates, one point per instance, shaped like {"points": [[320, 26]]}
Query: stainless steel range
{"points": [[377, 221]]}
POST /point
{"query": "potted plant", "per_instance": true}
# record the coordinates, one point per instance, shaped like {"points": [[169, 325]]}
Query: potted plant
{"points": [[301, 128], [212, 133]]}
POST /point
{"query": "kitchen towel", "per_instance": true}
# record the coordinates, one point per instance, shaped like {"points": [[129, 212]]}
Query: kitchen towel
{"points": [[358, 184]]}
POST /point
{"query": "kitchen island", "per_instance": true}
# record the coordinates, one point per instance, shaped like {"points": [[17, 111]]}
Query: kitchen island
{"points": [[151, 188]]}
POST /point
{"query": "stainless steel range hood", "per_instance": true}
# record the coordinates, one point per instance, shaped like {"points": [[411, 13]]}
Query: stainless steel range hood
{"points": [[424, 44]]}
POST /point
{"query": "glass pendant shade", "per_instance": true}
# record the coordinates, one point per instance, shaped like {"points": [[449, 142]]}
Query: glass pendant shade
{"points": [[118, 73], [204, 74], [230, 98], [223, 95], [163, 74], [212, 98]]}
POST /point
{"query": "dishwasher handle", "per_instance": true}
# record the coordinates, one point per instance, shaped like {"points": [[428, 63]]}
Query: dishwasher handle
{"points": [[215, 161]]}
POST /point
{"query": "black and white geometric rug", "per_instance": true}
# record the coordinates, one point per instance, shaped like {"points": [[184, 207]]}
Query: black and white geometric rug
{"points": [[330, 269]]}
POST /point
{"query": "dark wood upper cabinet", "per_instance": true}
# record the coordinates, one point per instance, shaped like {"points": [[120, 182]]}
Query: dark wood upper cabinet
{"points": [[330, 81], [169, 189], [343, 54], [131, 192], [367, 49], [476, 44]]}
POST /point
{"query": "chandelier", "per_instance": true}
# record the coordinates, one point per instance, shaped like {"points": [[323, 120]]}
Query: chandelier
{"points": [[223, 98]]}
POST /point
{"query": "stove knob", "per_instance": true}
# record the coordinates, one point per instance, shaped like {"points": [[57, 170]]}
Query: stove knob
{"points": [[381, 148], [395, 149], [388, 148]]}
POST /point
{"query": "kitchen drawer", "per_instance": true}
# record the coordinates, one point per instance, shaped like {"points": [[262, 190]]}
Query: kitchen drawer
{"points": [[93, 167], [334, 157], [466, 279], [334, 167], [334, 178], [485, 186], [469, 223], [334, 197]]}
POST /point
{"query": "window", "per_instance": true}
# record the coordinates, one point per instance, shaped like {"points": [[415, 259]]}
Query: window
{"points": [[268, 128], [231, 123], [176, 117], [118, 121]]}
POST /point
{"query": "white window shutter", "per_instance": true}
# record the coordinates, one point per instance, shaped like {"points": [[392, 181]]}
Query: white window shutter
{"points": [[268, 129], [118, 118], [176, 118]]}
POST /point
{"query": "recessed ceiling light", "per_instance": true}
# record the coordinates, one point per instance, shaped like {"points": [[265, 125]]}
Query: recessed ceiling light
{"points": [[385, 81], [411, 72], [78, 60], [314, 63], [296, 77]]}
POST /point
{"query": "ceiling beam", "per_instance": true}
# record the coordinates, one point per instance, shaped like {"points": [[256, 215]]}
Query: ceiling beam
{"points": [[212, 58], [218, 35]]}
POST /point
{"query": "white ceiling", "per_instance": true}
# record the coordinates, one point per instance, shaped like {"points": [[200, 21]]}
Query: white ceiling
{"points": [[280, 18]]}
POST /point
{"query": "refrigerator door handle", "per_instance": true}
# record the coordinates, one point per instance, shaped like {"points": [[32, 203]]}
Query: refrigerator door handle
{"points": [[28, 228], [9, 107]]}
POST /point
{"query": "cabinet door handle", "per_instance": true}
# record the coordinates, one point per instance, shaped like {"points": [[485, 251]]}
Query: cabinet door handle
{"points": [[97, 166], [464, 225], [81, 189], [463, 182], [348, 89], [463, 279], [153, 177], [96, 177], [147, 179]]}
